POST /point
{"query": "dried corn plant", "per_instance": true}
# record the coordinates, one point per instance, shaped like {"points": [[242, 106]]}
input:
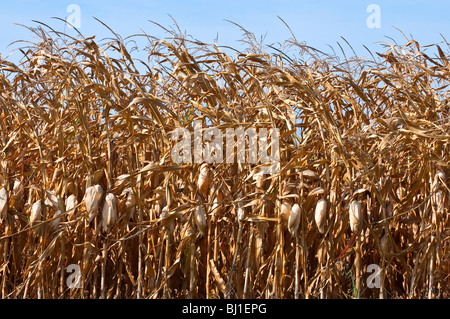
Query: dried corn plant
{"points": [[87, 176]]}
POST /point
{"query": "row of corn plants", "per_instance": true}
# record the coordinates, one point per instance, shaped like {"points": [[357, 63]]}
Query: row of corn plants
{"points": [[87, 177]]}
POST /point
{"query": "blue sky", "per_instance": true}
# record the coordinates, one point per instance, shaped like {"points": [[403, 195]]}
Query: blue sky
{"points": [[318, 23]]}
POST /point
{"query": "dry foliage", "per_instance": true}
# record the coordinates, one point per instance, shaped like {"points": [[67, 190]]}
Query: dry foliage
{"points": [[77, 114]]}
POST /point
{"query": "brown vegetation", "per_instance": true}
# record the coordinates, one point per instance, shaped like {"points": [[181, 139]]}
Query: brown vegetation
{"points": [[366, 139]]}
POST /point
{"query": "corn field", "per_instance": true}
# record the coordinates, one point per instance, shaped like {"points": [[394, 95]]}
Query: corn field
{"points": [[87, 177]]}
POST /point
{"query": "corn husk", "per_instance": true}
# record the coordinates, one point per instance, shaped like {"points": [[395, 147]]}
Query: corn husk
{"points": [[92, 199], [36, 213], [3, 204], [321, 214], [438, 181], [109, 212], [17, 193], [51, 199], [49, 203], [440, 175], [217, 204], [294, 219], [18, 187], [71, 203], [56, 222], [437, 201], [355, 215], [199, 220], [240, 213], [164, 213], [130, 201], [204, 179], [437, 206]]}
